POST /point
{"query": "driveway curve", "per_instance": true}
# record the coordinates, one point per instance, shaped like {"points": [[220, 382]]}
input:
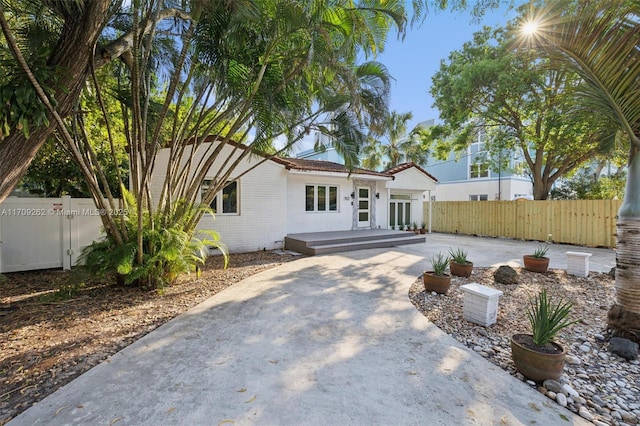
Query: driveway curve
{"points": [[322, 340]]}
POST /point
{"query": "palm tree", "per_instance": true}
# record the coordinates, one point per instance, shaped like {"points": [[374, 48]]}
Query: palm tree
{"points": [[416, 146], [372, 154], [601, 42], [395, 128]]}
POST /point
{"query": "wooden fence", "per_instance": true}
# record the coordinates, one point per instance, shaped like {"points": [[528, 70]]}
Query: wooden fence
{"points": [[583, 222]]}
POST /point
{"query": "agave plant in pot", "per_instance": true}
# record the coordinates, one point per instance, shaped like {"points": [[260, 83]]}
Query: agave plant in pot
{"points": [[459, 265], [437, 280], [537, 356], [538, 261]]}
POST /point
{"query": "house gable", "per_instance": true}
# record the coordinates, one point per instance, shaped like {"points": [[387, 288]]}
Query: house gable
{"points": [[411, 177]]}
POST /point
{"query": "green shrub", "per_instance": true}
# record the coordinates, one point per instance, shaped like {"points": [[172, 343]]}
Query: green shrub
{"points": [[169, 248]]}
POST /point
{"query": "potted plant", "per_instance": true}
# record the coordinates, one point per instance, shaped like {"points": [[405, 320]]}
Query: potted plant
{"points": [[537, 356], [437, 280], [414, 226], [537, 262], [423, 228], [458, 263]]}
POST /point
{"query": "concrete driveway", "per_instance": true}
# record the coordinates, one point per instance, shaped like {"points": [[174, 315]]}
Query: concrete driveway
{"points": [[321, 340]]}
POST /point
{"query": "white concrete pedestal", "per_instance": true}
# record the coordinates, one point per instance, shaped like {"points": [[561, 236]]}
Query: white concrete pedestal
{"points": [[578, 263], [480, 304]]}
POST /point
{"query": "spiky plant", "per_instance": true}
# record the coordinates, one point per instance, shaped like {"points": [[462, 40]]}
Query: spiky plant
{"points": [[547, 318], [439, 264]]}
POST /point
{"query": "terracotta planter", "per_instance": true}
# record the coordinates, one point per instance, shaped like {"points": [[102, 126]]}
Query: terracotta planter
{"points": [[461, 269], [533, 364], [438, 283], [536, 264], [423, 231]]}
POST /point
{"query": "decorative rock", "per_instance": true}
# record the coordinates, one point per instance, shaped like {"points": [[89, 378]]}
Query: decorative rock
{"points": [[552, 385], [600, 423], [561, 399], [624, 348], [585, 414], [542, 390], [569, 391], [531, 382], [505, 274], [585, 348], [572, 360], [598, 401], [552, 395], [628, 417]]}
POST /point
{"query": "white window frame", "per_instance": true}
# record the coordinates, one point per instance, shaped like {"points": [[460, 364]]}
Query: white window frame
{"points": [[478, 168], [218, 199], [327, 199], [479, 197]]}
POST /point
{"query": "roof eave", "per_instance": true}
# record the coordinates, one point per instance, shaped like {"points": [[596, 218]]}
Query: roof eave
{"points": [[363, 176]]}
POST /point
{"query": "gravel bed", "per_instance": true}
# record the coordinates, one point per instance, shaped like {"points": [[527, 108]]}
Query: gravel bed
{"points": [[596, 384]]}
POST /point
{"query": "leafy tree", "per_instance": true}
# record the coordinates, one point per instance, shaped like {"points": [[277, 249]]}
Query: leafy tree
{"points": [[54, 172], [394, 143], [592, 182], [520, 104], [584, 186], [62, 43], [600, 41]]}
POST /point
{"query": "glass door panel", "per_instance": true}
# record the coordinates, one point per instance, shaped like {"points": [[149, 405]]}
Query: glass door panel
{"points": [[363, 206]]}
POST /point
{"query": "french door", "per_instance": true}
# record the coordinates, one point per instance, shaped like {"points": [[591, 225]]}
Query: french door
{"points": [[399, 211]]}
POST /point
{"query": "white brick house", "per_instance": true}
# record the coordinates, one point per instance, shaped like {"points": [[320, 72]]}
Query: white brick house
{"points": [[290, 195]]}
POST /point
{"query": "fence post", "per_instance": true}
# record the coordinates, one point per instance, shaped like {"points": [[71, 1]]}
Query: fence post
{"points": [[68, 214]]}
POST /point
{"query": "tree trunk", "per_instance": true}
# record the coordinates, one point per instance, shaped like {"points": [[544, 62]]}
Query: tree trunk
{"points": [[624, 316], [71, 58]]}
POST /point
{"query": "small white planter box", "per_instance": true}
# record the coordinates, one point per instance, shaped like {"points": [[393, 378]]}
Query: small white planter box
{"points": [[480, 304], [578, 263]]}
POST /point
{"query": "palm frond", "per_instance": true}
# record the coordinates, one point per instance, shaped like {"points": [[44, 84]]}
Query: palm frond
{"points": [[600, 42]]}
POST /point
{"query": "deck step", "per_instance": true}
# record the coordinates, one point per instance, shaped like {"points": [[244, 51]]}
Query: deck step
{"points": [[334, 242]]}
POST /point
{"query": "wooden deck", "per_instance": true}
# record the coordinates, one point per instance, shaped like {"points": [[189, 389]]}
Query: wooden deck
{"points": [[313, 243]]}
